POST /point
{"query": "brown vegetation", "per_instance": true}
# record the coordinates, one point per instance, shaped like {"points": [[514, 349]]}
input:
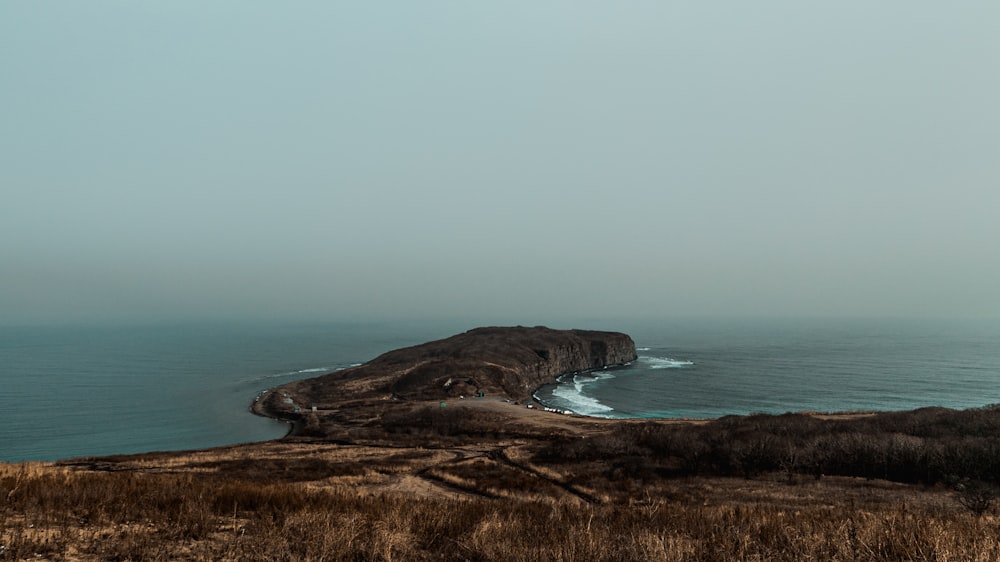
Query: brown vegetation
{"points": [[439, 484], [56, 513], [926, 446]]}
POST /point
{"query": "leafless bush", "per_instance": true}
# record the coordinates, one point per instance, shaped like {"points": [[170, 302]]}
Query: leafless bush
{"points": [[977, 496]]}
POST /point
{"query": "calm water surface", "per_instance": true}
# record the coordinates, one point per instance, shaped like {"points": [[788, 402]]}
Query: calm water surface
{"points": [[702, 368]]}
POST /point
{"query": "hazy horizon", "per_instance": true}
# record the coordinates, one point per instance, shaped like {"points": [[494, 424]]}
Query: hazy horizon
{"points": [[520, 161]]}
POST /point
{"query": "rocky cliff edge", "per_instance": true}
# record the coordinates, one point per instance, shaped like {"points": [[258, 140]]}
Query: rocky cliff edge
{"points": [[507, 361]]}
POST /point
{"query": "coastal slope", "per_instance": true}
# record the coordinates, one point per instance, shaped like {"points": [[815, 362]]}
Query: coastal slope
{"points": [[510, 362]]}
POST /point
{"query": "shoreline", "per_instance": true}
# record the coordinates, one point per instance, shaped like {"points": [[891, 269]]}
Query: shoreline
{"points": [[501, 362], [546, 416], [255, 408], [296, 423]]}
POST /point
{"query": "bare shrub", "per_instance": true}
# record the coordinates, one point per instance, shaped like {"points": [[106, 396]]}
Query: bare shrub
{"points": [[977, 496]]}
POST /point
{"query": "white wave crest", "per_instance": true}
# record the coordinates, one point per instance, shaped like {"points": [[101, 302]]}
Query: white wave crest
{"points": [[664, 363], [577, 401], [300, 372], [321, 370]]}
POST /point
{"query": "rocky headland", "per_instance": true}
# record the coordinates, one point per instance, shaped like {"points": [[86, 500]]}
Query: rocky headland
{"points": [[506, 362]]}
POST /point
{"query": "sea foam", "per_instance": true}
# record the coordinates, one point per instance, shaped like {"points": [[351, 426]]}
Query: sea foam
{"points": [[300, 372], [575, 399], [664, 363]]}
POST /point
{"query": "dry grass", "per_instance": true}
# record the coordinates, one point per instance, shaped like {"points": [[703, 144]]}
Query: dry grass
{"points": [[58, 513], [732, 489]]}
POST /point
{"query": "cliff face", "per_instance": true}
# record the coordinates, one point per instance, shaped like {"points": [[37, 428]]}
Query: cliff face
{"points": [[508, 361], [511, 362]]}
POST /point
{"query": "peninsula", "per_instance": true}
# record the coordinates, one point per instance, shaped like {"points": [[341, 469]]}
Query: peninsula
{"points": [[505, 362]]}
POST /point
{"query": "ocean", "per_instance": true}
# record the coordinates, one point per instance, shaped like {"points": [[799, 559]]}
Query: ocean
{"points": [[73, 390], [711, 368]]}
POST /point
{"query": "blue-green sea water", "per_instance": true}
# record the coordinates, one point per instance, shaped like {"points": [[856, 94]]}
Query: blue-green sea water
{"points": [[712, 368], [68, 391]]}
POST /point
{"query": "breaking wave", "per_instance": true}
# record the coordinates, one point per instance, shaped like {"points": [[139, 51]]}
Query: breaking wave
{"points": [[300, 372], [574, 398], [664, 363]]}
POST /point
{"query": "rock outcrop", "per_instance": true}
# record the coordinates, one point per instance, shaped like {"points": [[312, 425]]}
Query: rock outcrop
{"points": [[511, 362]]}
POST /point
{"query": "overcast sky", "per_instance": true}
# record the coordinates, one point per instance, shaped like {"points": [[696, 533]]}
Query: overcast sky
{"points": [[498, 159]]}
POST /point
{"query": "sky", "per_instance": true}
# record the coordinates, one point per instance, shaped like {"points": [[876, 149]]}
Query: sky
{"points": [[327, 159]]}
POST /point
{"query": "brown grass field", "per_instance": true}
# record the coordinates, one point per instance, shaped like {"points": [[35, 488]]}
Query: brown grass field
{"points": [[491, 481]]}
